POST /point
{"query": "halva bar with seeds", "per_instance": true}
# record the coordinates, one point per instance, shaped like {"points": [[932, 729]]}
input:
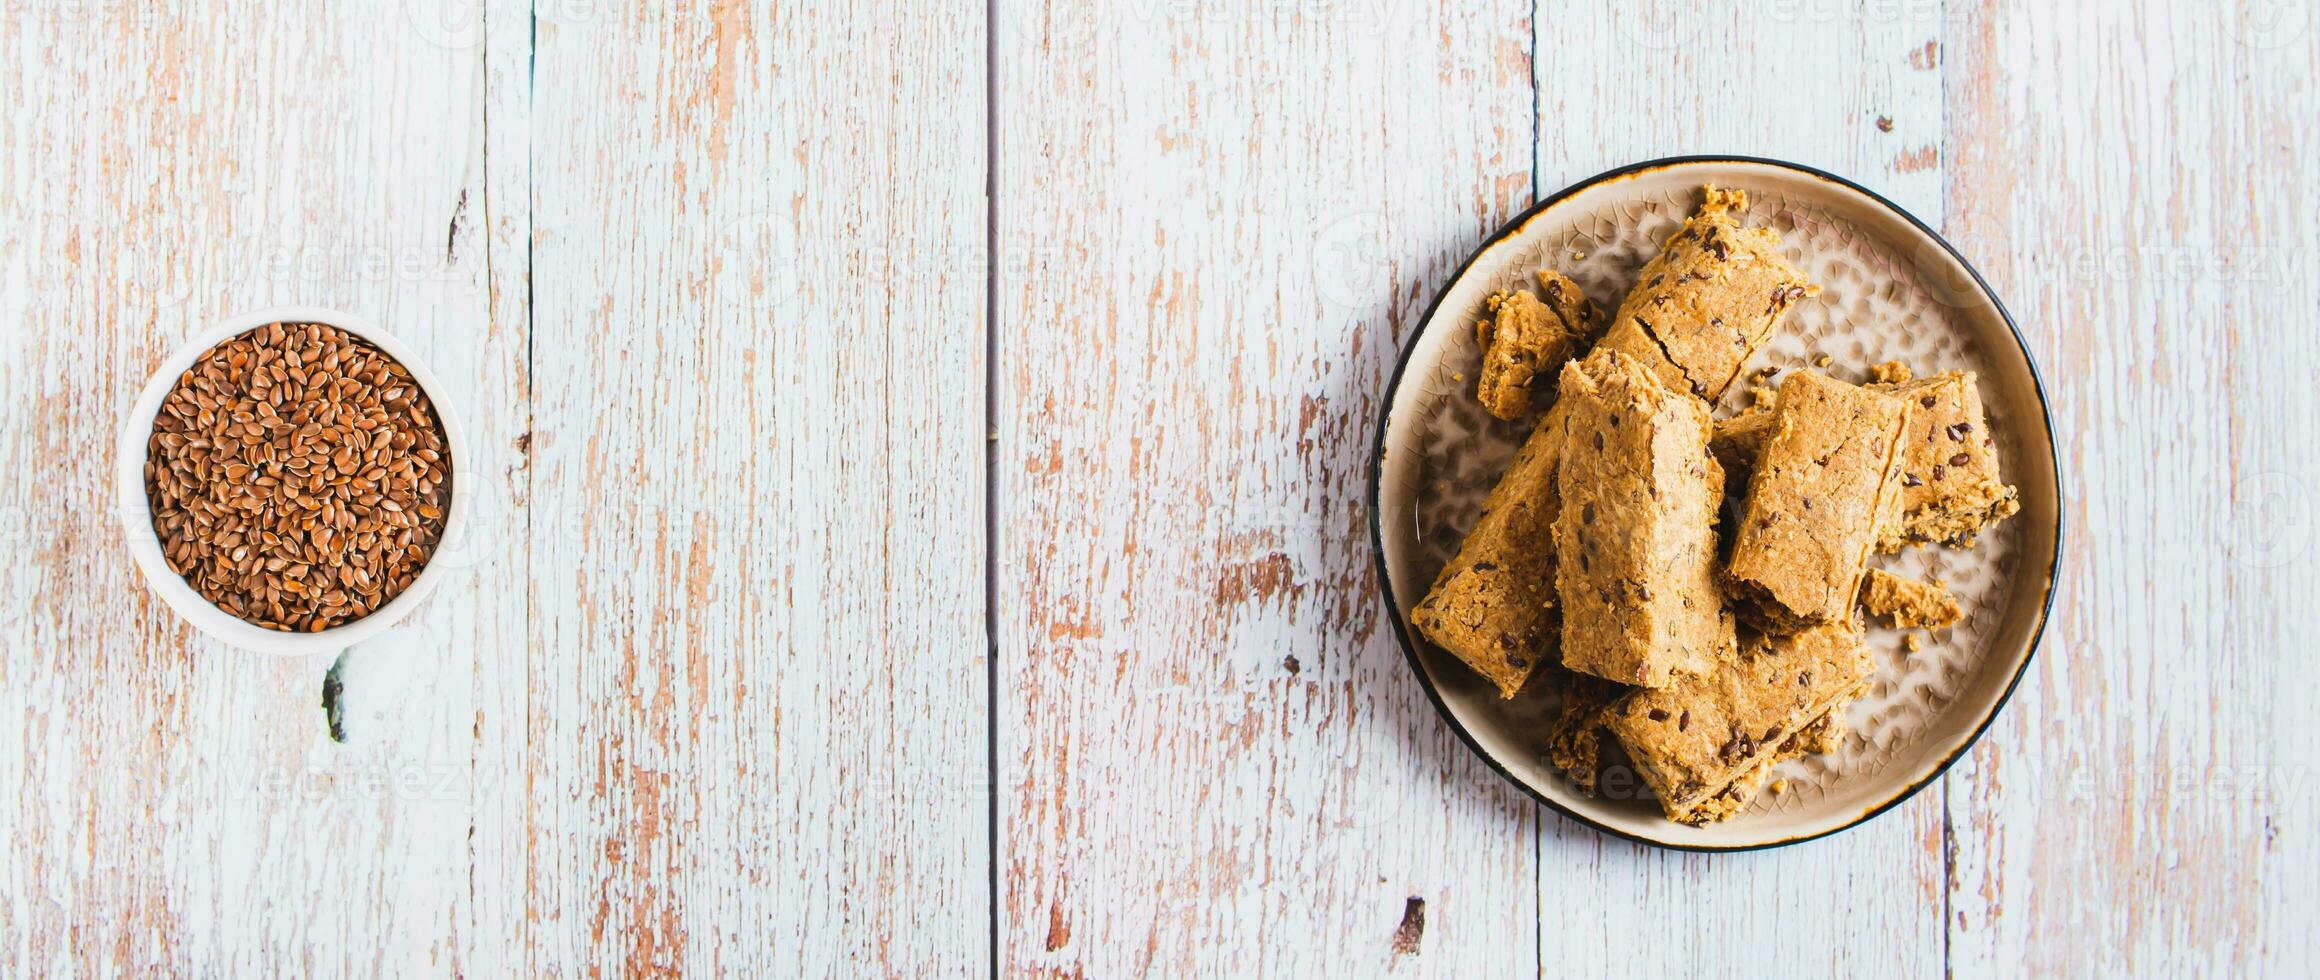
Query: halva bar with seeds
{"points": [[1493, 605], [1907, 603], [1709, 300], [1950, 488], [1525, 340], [1738, 439], [1575, 737], [1829, 470], [1705, 744], [1635, 537]]}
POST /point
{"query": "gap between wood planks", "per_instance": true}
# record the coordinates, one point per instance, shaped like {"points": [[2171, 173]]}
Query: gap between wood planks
{"points": [[991, 473]]}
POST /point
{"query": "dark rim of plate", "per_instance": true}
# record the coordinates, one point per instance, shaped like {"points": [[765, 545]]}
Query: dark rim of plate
{"points": [[1377, 471]]}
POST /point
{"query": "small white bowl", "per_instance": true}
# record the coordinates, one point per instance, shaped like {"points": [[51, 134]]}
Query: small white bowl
{"points": [[137, 516]]}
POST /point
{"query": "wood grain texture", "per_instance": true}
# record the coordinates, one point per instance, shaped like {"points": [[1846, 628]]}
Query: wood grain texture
{"points": [[501, 872], [1212, 758], [756, 686], [2146, 804], [628, 749], [173, 805], [712, 284], [1638, 81]]}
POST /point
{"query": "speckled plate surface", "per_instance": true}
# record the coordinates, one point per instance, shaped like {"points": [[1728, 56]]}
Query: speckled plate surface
{"points": [[1892, 289]]}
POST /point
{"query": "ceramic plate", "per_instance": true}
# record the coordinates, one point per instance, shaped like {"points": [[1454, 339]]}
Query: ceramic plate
{"points": [[1892, 289]]}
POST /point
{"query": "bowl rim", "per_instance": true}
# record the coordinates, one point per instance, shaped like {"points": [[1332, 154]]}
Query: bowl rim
{"points": [[135, 510], [1384, 581]]}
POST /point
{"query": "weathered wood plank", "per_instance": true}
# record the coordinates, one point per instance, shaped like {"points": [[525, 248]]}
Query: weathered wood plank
{"points": [[756, 685], [173, 804], [1219, 221], [1802, 82], [2145, 804], [500, 869], [709, 690]]}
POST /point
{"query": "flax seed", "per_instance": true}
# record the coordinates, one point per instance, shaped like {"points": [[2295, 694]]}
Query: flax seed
{"points": [[293, 447]]}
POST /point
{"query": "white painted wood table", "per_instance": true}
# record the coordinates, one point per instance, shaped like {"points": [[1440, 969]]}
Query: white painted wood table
{"points": [[922, 452]]}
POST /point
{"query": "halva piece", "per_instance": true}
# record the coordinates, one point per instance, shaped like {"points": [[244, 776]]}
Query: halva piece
{"points": [[1709, 300], [1950, 488], [1705, 744], [1908, 604], [1830, 468], [1574, 739], [1635, 537], [1493, 605], [1738, 439], [1525, 340]]}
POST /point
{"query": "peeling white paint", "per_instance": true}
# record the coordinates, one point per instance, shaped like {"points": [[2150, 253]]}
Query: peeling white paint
{"points": [[709, 689]]}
